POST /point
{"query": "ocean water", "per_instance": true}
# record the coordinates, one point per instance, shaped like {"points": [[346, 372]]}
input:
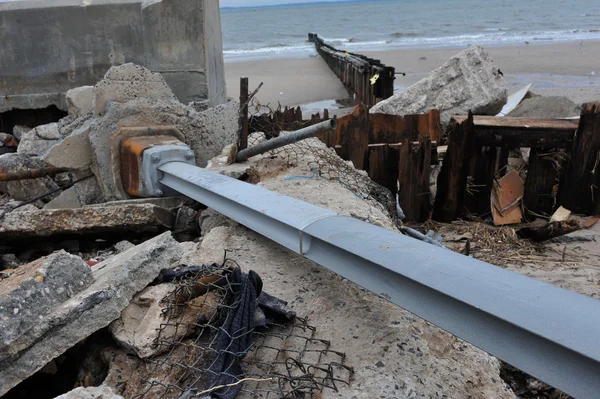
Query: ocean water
{"points": [[281, 31]]}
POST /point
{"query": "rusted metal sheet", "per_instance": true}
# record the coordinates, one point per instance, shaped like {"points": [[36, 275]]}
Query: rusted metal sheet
{"points": [[132, 152]]}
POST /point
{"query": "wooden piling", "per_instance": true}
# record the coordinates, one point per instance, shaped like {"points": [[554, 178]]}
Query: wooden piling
{"points": [[452, 180], [383, 165], [542, 176], [414, 168], [482, 170], [579, 189], [243, 119], [355, 137]]}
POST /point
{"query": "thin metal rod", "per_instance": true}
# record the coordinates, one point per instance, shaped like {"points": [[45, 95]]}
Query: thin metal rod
{"points": [[546, 331], [286, 139]]}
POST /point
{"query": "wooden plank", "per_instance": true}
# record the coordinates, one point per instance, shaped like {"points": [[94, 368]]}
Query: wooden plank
{"points": [[383, 165], [414, 168], [542, 176], [243, 118], [522, 132], [452, 180], [482, 170], [355, 137], [579, 189]]}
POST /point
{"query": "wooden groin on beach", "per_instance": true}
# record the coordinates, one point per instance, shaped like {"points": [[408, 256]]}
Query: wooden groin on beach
{"points": [[367, 78]]}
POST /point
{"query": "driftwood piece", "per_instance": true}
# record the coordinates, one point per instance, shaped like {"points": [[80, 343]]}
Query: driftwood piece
{"points": [[579, 188], [548, 231], [452, 180]]}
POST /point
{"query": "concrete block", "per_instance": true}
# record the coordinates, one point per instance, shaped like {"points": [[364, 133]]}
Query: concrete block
{"points": [[80, 100], [141, 322], [178, 38], [468, 81], [206, 133], [128, 82], [92, 220]]}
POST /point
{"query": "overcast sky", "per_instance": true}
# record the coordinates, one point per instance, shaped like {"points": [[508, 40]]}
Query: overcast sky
{"points": [[247, 3]]}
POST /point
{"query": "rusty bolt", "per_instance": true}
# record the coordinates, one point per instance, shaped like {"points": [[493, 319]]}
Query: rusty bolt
{"points": [[155, 158], [158, 192], [189, 155]]}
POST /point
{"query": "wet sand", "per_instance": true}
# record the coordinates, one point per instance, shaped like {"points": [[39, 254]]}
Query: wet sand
{"points": [[555, 68]]}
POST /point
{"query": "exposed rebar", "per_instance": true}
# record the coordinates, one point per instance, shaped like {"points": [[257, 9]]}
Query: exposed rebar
{"points": [[286, 139]]}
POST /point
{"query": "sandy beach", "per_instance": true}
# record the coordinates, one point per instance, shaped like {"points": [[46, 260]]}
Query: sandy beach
{"points": [[555, 68]]}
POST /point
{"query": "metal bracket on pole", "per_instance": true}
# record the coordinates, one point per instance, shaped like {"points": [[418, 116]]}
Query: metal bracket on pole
{"points": [[548, 332]]}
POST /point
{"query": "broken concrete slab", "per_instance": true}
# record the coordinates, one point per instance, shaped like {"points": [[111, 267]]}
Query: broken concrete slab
{"points": [[128, 82], [68, 199], [72, 152], [92, 220], [143, 323], [170, 203], [469, 81], [206, 133], [80, 100], [101, 392], [116, 281], [30, 293], [23, 190], [85, 192]]}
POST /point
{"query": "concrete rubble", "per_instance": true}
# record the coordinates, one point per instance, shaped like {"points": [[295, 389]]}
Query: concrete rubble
{"points": [[82, 267], [469, 81], [91, 220], [93, 302]]}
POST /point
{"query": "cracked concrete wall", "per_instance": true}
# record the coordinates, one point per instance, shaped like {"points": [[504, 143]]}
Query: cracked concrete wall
{"points": [[51, 46]]}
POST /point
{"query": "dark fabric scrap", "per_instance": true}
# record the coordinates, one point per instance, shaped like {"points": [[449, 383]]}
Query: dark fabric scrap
{"points": [[250, 308]]}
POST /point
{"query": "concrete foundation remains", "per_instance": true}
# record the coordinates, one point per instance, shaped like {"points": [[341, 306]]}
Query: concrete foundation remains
{"points": [[44, 53]]}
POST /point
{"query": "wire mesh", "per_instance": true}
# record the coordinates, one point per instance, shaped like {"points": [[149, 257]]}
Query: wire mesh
{"points": [[284, 360], [322, 161]]}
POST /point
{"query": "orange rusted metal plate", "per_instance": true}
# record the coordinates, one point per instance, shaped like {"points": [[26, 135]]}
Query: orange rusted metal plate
{"points": [[132, 152], [507, 195]]}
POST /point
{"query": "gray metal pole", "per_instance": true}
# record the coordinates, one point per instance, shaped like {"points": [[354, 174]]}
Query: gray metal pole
{"points": [[548, 332], [286, 139]]}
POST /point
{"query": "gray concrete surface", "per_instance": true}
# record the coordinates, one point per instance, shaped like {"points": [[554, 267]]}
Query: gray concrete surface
{"points": [[44, 53]]}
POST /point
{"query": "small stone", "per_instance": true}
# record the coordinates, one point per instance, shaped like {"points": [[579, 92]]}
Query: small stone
{"points": [[123, 246], [380, 364]]}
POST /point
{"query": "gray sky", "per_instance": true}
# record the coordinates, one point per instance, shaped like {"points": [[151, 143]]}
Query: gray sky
{"points": [[246, 3]]}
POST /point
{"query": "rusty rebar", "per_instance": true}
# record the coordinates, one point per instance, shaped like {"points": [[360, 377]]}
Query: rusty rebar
{"points": [[30, 173]]}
